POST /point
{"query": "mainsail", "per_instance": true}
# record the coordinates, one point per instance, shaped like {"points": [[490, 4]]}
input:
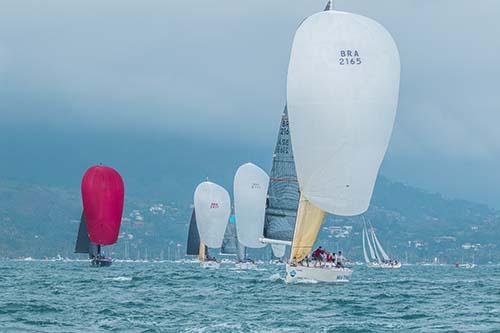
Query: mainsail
{"points": [[193, 242], [83, 240], [372, 254], [367, 260], [230, 241], [342, 94], [83, 243], [283, 192]]}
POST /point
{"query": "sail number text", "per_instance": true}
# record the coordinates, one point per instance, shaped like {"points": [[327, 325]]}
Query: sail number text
{"points": [[349, 57]]}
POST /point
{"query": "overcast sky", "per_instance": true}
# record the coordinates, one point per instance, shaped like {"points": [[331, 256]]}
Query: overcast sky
{"points": [[215, 71]]}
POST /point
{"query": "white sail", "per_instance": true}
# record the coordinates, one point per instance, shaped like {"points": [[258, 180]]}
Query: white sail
{"points": [[342, 94], [250, 192], [212, 208], [380, 248], [278, 250], [377, 255], [367, 260], [372, 254]]}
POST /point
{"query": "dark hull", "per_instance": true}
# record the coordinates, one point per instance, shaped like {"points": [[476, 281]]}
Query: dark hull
{"points": [[102, 262]]}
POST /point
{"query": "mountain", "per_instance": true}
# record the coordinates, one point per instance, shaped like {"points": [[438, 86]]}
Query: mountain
{"points": [[42, 221]]}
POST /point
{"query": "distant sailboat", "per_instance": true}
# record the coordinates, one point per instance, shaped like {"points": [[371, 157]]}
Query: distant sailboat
{"points": [[283, 193], [342, 93], [250, 191], [379, 258], [102, 196], [212, 209]]}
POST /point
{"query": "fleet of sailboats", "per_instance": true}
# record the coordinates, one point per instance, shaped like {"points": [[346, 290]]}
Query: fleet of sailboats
{"points": [[342, 96], [378, 258]]}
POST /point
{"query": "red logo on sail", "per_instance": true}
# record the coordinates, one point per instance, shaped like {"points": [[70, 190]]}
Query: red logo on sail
{"points": [[214, 205]]}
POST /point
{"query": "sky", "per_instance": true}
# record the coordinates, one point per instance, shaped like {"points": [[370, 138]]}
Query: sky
{"points": [[183, 90]]}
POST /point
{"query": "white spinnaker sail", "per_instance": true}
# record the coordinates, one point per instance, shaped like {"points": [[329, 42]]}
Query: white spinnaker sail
{"points": [[367, 260], [380, 248], [278, 250], [342, 94], [377, 255], [212, 208], [250, 192], [372, 254]]}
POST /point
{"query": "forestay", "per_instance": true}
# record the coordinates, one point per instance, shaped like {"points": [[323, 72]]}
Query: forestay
{"points": [[250, 191], [212, 208], [342, 94]]}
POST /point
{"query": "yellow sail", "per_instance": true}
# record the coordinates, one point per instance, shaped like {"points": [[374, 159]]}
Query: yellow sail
{"points": [[201, 254], [309, 220]]}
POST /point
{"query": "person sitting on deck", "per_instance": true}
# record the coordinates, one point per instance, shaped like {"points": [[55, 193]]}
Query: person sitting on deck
{"points": [[340, 260]]}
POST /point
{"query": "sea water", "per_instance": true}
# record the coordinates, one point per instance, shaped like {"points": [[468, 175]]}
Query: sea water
{"points": [[44, 296]]}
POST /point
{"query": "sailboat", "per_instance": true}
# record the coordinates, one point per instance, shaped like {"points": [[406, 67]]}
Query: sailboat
{"points": [[250, 191], [283, 194], [212, 207], [102, 195], [342, 94], [379, 258]]}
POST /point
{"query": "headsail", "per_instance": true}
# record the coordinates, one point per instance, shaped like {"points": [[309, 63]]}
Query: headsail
{"points": [[380, 248], [309, 219], [250, 190], [212, 209], [377, 255], [283, 193], [193, 242]]}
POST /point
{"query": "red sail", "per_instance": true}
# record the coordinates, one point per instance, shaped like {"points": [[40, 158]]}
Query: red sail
{"points": [[102, 196]]}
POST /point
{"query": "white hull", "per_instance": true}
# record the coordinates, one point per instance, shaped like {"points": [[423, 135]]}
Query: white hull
{"points": [[245, 265], [209, 264], [466, 266], [384, 265], [319, 274]]}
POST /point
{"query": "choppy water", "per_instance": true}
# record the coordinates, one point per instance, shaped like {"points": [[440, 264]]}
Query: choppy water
{"points": [[169, 297]]}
